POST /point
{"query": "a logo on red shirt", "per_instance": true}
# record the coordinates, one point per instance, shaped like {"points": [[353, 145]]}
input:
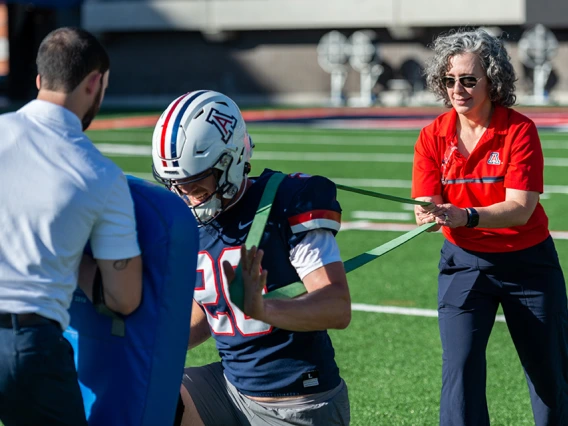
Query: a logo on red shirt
{"points": [[494, 159]]}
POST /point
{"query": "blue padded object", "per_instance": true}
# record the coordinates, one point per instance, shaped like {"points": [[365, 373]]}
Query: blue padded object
{"points": [[134, 380]]}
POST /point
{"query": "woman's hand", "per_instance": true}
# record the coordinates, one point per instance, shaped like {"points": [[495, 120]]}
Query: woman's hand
{"points": [[426, 214], [451, 216]]}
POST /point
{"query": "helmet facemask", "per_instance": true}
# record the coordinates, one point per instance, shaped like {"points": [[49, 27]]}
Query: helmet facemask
{"points": [[219, 200]]}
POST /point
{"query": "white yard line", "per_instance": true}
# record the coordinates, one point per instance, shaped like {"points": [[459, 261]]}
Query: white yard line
{"points": [[555, 144], [296, 139], [357, 157], [339, 157], [374, 183], [382, 183], [341, 140], [375, 215], [415, 312], [367, 140], [363, 225], [145, 150], [556, 162], [121, 149]]}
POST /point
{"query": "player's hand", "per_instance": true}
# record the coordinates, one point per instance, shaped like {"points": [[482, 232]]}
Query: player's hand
{"points": [[254, 281]]}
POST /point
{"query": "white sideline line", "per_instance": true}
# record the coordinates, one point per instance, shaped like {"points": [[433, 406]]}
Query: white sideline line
{"points": [[416, 312], [357, 157]]}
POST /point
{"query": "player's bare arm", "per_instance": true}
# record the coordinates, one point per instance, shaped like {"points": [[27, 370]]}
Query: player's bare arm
{"points": [[122, 283], [199, 327], [87, 272], [326, 305]]}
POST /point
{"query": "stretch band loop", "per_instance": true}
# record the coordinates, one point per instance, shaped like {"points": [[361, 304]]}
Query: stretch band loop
{"points": [[296, 289]]}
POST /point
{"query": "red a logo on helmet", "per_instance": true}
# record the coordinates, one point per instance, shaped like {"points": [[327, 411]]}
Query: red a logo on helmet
{"points": [[224, 123]]}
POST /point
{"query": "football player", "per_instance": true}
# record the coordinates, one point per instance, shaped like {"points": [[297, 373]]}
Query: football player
{"points": [[277, 362]]}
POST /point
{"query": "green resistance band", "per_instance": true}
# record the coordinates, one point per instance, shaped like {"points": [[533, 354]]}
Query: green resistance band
{"points": [[236, 289], [296, 289]]}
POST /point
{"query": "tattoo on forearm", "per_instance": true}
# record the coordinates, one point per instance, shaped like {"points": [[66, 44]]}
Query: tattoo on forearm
{"points": [[119, 265]]}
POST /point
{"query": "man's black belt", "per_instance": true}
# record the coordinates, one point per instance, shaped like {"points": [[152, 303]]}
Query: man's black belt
{"points": [[23, 320]]}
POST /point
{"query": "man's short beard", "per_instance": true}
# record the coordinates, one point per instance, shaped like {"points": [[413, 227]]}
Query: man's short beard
{"points": [[93, 110]]}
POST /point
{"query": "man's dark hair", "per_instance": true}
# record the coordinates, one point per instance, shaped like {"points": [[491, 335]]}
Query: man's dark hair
{"points": [[66, 56]]}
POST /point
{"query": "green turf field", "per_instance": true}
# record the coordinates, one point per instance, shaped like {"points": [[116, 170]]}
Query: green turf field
{"points": [[391, 362]]}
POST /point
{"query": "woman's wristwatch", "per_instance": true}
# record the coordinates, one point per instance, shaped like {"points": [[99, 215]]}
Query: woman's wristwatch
{"points": [[472, 217]]}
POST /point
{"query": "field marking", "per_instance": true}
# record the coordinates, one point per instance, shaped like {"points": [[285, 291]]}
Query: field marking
{"points": [[375, 215], [400, 183], [129, 150], [556, 162], [293, 138], [363, 225], [379, 183], [555, 144], [374, 183], [339, 140], [341, 157], [416, 312], [144, 150]]}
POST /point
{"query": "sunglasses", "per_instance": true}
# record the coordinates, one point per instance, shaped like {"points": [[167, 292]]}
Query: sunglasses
{"points": [[467, 81]]}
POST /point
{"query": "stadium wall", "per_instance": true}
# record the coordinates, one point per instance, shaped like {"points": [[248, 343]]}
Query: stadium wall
{"points": [[263, 67], [264, 51]]}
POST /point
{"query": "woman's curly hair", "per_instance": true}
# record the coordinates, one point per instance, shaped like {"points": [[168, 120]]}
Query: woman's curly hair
{"points": [[494, 58]]}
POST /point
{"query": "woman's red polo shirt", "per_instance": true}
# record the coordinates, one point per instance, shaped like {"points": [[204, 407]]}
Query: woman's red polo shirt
{"points": [[508, 155]]}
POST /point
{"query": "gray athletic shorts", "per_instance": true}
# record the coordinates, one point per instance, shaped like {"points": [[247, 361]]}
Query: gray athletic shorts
{"points": [[219, 403]]}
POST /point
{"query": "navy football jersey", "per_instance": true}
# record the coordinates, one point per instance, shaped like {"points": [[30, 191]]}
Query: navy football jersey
{"points": [[259, 359]]}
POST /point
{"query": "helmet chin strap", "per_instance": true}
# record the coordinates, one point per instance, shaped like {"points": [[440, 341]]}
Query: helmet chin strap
{"points": [[208, 210], [213, 206], [240, 193]]}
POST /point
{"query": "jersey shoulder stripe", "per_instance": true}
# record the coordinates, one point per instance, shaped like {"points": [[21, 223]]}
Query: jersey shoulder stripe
{"points": [[315, 219]]}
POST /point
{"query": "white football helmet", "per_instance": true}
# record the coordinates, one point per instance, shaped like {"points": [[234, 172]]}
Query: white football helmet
{"points": [[201, 131]]}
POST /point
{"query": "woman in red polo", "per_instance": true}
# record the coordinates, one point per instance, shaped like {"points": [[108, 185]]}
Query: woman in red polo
{"points": [[481, 166]]}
